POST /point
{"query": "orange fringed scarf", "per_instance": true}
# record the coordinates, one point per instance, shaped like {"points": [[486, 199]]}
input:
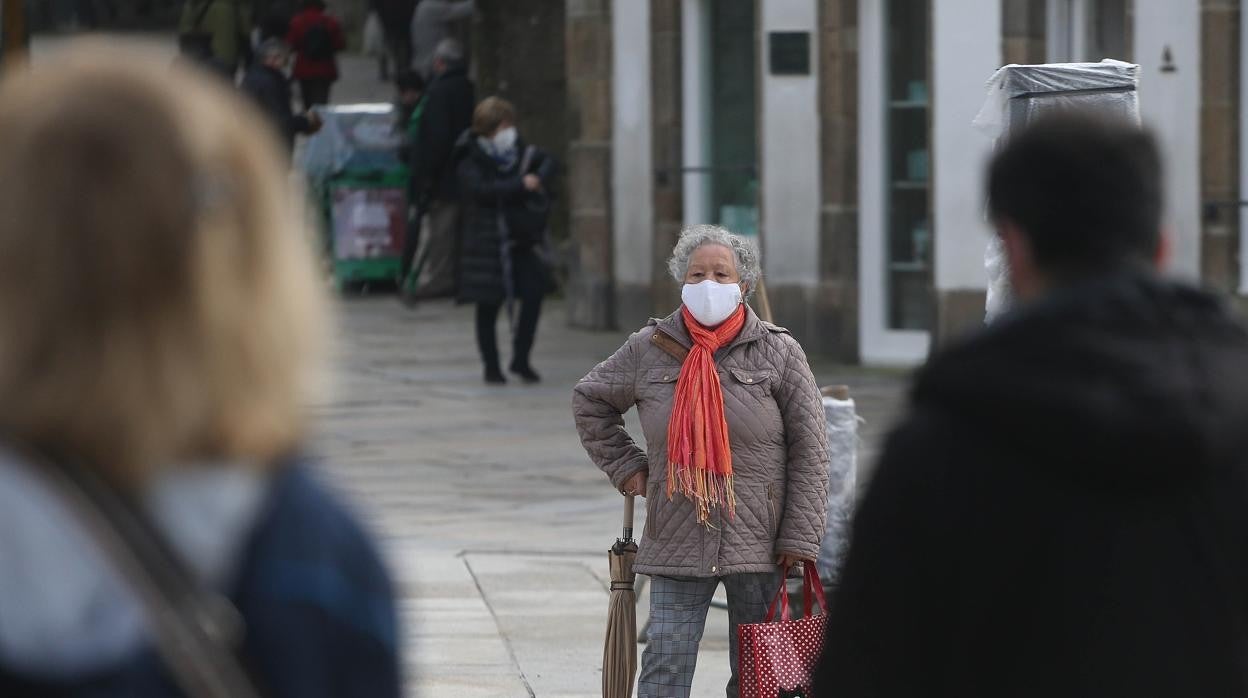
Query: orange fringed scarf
{"points": [[699, 460]]}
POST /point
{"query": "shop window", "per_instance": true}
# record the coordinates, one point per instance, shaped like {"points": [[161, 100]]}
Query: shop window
{"points": [[908, 170]]}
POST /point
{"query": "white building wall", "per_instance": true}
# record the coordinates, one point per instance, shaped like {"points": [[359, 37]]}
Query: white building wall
{"points": [[966, 50], [632, 170], [791, 150], [1170, 105]]}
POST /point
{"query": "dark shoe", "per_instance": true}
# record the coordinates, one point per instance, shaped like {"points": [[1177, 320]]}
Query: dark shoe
{"points": [[526, 373], [494, 376]]}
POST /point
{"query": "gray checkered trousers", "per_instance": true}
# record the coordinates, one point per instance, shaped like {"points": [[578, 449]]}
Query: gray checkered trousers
{"points": [[678, 607]]}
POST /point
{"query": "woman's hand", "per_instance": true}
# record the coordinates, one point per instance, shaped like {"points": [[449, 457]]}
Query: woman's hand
{"points": [[787, 559], [635, 485], [532, 182]]}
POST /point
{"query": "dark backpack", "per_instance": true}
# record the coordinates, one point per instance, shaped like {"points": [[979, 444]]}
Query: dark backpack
{"points": [[318, 42]]}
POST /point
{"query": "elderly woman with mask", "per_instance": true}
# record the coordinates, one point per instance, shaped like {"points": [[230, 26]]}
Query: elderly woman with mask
{"points": [[735, 475]]}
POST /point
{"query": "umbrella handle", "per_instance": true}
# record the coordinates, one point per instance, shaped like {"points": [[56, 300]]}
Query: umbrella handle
{"points": [[628, 517]]}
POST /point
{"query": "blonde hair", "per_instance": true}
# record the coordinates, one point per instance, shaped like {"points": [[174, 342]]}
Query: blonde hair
{"points": [[490, 114], [159, 302]]}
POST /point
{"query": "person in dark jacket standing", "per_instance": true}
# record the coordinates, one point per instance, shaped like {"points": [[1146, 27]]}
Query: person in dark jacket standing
{"points": [[446, 114], [501, 179], [266, 83], [1064, 509], [316, 38]]}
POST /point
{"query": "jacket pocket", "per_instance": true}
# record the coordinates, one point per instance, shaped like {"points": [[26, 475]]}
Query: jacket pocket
{"points": [[658, 383], [652, 511], [774, 506], [754, 381]]}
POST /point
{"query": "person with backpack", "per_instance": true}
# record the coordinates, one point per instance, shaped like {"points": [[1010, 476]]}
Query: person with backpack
{"points": [[316, 38]]}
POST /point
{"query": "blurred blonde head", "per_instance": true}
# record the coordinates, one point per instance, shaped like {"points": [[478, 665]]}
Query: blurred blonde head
{"points": [[159, 302]]}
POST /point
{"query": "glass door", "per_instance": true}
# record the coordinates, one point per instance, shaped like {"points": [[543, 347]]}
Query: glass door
{"points": [[908, 201], [719, 116]]}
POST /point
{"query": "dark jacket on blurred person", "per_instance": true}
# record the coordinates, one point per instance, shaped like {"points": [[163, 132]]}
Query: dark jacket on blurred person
{"points": [[491, 191], [1064, 512], [446, 113], [270, 89], [313, 594]]}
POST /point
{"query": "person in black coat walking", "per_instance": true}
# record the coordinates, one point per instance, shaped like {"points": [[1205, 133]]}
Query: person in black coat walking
{"points": [[268, 86], [447, 113], [1064, 509], [505, 186]]}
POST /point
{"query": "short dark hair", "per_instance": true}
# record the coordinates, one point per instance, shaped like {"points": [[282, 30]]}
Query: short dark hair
{"points": [[1083, 188], [409, 80]]}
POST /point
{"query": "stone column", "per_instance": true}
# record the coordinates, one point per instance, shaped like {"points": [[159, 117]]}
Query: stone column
{"points": [[1219, 142], [666, 138], [519, 54], [1023, 31], [588, 40], [835, 332]]}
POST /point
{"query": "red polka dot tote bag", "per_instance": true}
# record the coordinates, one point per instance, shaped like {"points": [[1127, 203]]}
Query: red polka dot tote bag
{"points": [[777, 658]]}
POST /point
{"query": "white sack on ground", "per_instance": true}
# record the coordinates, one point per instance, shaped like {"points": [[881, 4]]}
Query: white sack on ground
{"points": [[842, 425]]}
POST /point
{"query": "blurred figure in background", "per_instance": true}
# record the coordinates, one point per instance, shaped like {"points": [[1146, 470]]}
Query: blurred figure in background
{"points": [[396, 23], [226, 26], [266, 83], [163, 335], [316, 38], [431, 25], [410, 105], [446, 114], [1064, 511], [499, 177], [274, 19]]}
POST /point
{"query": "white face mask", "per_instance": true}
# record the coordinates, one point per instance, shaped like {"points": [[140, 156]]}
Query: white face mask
{"points": [[506, 139], [710, 301]]}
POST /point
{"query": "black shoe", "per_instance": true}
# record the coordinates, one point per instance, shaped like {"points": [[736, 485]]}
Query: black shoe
{"points": [[526, 373], [493, 376]]}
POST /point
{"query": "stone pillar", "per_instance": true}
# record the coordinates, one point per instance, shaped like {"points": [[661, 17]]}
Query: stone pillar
{"points": [[519, 55], [665, 103], [588, 71], [835, 332], [1219, 142], [1022, 31]]}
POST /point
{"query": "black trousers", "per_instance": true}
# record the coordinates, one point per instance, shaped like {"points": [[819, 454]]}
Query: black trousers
{"points": [[530, 274], [314, 92]]}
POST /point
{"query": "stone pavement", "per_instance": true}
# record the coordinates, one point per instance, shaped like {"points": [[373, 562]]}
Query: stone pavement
{"points": [[494, 519], [491, 515]]}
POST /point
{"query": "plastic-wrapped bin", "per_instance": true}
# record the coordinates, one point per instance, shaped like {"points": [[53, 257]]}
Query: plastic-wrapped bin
{"points": [[1018, 94], [369, 220], [354, 171]]}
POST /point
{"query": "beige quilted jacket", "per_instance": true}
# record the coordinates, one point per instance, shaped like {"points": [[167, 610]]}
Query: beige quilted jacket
{"points": [[776, 430]]}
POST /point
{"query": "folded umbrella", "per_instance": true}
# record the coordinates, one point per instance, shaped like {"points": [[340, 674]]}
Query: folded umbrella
{"points": [[619, 653]]}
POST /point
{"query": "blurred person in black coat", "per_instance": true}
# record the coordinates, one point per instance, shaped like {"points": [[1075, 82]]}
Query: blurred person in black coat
{"points": [[445, 115], [1064, 509], [501, 178], [268, 86]]}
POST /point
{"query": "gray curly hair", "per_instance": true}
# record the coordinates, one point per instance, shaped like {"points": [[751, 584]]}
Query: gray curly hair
{"points": [[743, 248]]}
